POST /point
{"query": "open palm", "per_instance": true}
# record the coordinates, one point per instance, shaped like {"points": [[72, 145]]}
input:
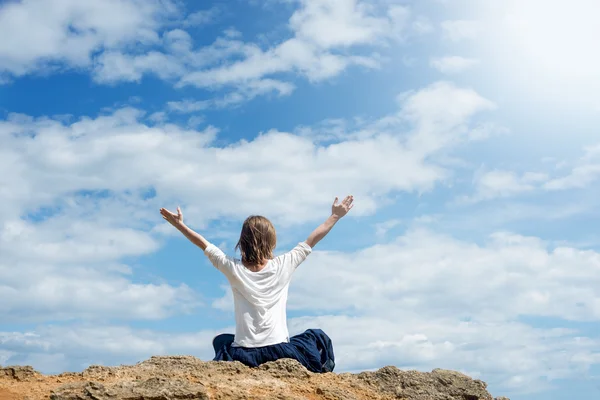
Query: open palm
{"points": [[342, 208], [174, 219]]}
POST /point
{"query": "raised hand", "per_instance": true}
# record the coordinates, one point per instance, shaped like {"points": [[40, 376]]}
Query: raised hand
{"points": [[174, 219], [341, 209]]}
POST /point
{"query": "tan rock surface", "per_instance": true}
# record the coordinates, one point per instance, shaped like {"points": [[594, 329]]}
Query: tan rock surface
{"points": [[186, 377]]}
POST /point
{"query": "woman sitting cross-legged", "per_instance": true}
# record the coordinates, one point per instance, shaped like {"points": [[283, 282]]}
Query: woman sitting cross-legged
{"points": [[259, 282]]}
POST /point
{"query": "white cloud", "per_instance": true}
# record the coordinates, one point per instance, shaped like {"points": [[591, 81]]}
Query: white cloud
{"points": [[114, 66], [453, 64], [438, 122], [382, 228], [113, 39], [187, 106], [276, 171], [510, 357], [436, 276], [422, 25], [5, 356], [68, 267], [585, 172], [202, 17], [74, 348], [62, 262], [224, 303], [457, 30], [342, 23], [243, 93], [323, 32], [47, 33], [500, 183], [504, 183]]}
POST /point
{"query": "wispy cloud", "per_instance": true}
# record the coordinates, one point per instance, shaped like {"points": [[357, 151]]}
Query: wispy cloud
{"points": [[453, 64], [583, 173], [202, 17], [505, 183], [458, 30]]}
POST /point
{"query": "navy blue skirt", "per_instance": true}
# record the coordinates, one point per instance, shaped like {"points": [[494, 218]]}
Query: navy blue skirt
{"points": [[313, 349]]}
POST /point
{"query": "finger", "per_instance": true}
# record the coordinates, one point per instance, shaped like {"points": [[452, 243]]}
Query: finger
{"points": [[335, 201], [169, 215], [179, 211]]}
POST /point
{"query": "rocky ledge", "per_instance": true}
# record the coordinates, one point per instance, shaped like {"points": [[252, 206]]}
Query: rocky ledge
{"points": [[186, 377]]}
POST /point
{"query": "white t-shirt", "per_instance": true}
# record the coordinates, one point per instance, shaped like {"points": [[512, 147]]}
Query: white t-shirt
{"points": [[260, 298]]}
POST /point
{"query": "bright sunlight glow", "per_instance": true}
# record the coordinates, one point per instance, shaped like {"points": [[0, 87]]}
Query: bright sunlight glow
{"points": [[550, 42]]}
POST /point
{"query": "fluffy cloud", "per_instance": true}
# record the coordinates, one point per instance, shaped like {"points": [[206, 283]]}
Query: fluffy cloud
{"points": [[440, 123], [245, 93], [68, 267], [322, 30], [457, 30], [277, 171], [202, 17], [68, 32], [510, 357], [100, 36], [436, 276], [62, 245], [342, 23], [582, 174], [56, 349], [453, 64], [498, 183]]}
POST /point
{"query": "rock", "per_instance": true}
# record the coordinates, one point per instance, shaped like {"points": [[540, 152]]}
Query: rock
{"points": [[332, 393], [19, 373], [149, 389], [186, 377], [286, 368], [436, 385]]}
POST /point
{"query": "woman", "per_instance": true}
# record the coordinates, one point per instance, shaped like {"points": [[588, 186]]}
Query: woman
{"points": [[260, 283]]}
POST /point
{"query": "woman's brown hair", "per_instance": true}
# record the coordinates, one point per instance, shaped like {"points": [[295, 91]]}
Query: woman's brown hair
{"points": [[257, 240]]}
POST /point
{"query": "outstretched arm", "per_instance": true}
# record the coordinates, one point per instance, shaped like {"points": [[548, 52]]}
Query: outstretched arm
{"points": [[177, 221], [337, 212]]}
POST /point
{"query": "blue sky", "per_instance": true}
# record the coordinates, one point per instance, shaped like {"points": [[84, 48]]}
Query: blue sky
{"points": [[468, 136]]}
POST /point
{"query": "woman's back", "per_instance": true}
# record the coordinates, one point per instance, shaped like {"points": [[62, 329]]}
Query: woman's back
{"points": [[260, 297]]}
